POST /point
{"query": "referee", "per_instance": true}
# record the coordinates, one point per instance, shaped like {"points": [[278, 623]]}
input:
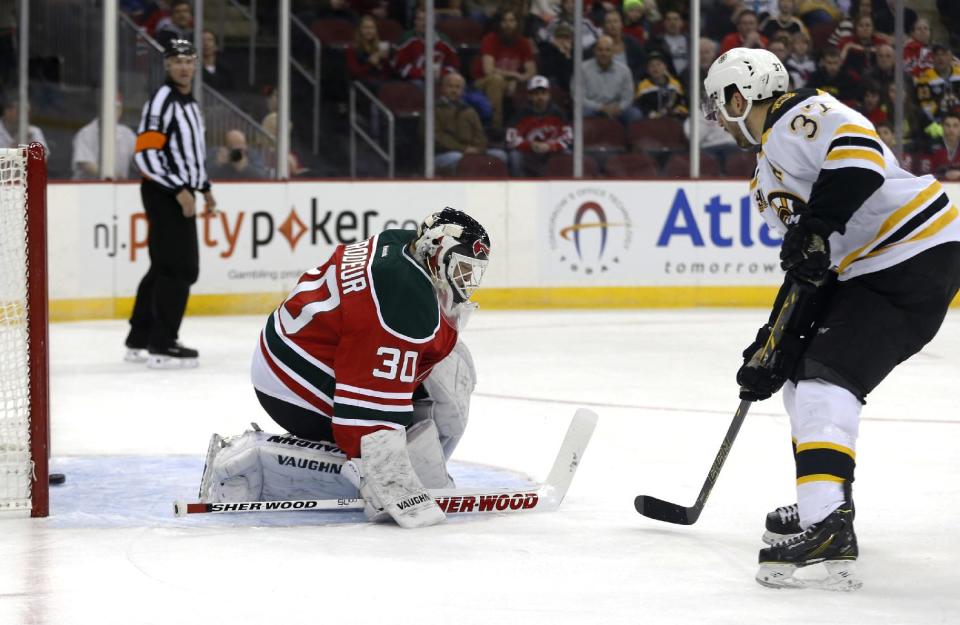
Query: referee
{"points": [[170, 154]]}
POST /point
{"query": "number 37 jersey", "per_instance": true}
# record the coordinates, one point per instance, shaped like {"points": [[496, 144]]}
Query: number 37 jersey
{"points": [[355, 338], [816, 152]]}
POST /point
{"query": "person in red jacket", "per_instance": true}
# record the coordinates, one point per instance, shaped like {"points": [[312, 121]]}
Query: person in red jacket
{"points": [[507, 58], [409, 59], [538, 132], [747, 36], [368, 58], [946, 158]]}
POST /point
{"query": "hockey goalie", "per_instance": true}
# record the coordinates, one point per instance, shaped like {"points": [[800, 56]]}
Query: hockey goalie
{"points": [[362, 367]]}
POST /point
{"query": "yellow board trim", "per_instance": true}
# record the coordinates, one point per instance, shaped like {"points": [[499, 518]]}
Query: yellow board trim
{"points": [[858, 130], [489, 299], [818, 477], [866, 155], [825, 445], [895, 218]]}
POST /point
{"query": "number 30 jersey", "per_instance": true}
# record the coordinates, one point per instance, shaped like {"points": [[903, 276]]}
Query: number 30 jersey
{"points": [[820, 155], [354, 339]]}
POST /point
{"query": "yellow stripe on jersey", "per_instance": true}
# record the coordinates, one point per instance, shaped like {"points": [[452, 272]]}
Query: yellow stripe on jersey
{"points": [[753, 184], [898, 215], [941, 222], [824, 445], [859, 153], [819, 477], [856, 130]]}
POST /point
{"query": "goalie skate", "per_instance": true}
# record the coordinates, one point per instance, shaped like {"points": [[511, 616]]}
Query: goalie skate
{"points": [[796, 562]]}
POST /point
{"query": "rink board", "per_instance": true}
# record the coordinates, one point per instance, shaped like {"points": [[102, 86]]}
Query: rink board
{"points": [[556, 244]]}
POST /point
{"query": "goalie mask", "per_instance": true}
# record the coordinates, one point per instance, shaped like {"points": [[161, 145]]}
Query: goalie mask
{"points": [[455, 250]]}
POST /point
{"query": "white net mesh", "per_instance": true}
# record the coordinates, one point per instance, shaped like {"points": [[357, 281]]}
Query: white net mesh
{"points": [[16, 465]]}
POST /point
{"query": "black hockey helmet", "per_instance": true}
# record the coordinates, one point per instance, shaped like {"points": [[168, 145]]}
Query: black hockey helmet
{"points": [[455, 250], [179, 47]]}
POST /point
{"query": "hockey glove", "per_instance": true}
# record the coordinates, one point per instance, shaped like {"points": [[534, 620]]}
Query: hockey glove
{"points": [[760, 378], [805, 253]]}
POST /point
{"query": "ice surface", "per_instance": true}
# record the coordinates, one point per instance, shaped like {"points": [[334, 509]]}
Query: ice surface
{"points": [[131, 440]]}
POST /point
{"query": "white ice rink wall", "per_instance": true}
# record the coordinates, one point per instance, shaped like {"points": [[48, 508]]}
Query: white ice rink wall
{"points": [[555, 243]]}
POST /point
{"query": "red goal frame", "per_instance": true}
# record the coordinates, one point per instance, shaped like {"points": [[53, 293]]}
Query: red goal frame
{"points": [[37, 321]]}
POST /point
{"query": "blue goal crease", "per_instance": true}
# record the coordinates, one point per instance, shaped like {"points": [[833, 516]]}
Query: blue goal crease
{"points": [[139, 491]]}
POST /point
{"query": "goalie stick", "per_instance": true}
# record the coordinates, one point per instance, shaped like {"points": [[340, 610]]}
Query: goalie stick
{"points": [[796, 308], [545, 497]]}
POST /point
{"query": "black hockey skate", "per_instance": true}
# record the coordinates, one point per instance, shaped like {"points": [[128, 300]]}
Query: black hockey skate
{"points": [[831, 542], [782, 523], [174, 356]]}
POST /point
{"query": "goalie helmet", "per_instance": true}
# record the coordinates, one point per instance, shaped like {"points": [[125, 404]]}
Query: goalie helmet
{"points": [[455, 250], [757, 75]]}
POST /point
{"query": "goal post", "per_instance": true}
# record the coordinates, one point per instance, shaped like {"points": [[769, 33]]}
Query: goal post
{"points": [[24, 349]]}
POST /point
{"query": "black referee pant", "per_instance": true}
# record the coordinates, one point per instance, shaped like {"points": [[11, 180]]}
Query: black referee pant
{"points": [[174, 266]]}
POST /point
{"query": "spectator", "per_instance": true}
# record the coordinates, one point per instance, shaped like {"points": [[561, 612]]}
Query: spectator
{"points": [[873, 106], [457, 127], [9, 126], [887, 134], [800, 64], [626, 49], [674, 42], [779, 49], [938, 87], [746, 36], [537, 132], [507, 59], [719, 21], [660, 94], [917, 55], [335, 9], [858, 51], [214, 74], [714, 140], [86, 149], [178, 25], [607, 85], [884, 71], [946, 157], [589, 35], [556, 56], [409, 59], [708, 53], [784, 21], [633, 20], [295, 166], [368, 58], [835, 79], [233, 160]]}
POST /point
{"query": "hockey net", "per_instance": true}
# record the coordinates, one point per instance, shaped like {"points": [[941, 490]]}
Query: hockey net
{"points": [[24, 432]]}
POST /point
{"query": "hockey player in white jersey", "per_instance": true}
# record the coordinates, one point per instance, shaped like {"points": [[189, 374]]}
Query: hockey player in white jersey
{"points": [[843, 205]]}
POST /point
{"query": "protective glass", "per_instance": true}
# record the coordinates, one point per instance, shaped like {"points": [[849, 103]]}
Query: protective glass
{"points": [[710, 106]]}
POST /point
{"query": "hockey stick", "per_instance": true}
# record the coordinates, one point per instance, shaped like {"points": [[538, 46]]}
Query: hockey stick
{"points": [[687, 515], [545, 497]]}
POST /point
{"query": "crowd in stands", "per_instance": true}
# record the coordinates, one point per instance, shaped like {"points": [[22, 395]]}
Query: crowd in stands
{"points": [[504, 70]]}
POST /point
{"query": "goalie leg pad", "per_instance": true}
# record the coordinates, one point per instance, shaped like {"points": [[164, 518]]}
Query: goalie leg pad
{"points": [[427, 457], [450, 384], [256, 466], [388, 483]]}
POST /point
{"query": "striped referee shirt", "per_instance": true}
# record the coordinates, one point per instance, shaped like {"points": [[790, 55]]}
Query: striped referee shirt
{"points": [[170, 147]]}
